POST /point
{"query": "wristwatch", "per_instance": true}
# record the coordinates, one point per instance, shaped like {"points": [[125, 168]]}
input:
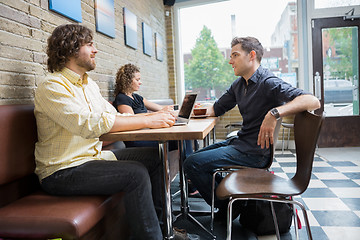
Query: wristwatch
{"points": [[275, 113]]}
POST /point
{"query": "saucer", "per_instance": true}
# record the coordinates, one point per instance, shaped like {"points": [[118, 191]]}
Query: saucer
{"points": [[200, 116]]}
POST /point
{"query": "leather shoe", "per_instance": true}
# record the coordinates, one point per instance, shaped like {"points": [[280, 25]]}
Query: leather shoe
{"points": [[181, 234]]}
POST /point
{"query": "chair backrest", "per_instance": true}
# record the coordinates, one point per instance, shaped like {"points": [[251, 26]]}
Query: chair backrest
{"points": [[306, 128]]}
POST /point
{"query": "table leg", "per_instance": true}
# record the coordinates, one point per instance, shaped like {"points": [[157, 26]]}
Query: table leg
{"points": [[206, 141], [184, 193], [213, 135], [168, 229]]}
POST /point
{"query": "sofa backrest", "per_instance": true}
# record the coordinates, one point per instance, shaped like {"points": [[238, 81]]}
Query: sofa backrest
{"points": [[18, 135]]}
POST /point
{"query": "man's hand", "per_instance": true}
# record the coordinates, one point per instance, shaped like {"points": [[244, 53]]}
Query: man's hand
{"points": [[168, 108], [266, 133], [161, 119]]}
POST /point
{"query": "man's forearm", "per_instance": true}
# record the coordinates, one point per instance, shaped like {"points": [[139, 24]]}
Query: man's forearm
{"points": [[301, 103], [125, 123]]}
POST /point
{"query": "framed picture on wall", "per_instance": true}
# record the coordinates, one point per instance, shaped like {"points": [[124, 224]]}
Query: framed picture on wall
{"points": [[130, 28], [147, 39], [62, 7], [159, 47], [105, 17]]}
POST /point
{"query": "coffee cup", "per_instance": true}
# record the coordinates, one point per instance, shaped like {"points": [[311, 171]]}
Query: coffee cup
{"points": [[199, 111]]}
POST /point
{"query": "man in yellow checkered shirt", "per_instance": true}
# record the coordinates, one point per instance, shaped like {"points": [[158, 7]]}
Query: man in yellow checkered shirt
{"points": [[71, 115]]}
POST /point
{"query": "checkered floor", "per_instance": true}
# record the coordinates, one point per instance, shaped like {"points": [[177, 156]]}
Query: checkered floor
{"points": [[332, 200]]}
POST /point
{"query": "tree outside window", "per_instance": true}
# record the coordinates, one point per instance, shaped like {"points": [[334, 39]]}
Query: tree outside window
{"points": [[207, 72]]}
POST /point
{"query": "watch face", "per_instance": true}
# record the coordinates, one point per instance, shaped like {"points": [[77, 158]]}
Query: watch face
{"points": [[275, 113]]}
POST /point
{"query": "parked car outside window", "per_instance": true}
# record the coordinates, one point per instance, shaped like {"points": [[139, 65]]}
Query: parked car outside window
{"points": [[338, 91]]}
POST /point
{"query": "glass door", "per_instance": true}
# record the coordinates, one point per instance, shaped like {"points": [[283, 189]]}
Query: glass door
{"points": [[336, 79]]}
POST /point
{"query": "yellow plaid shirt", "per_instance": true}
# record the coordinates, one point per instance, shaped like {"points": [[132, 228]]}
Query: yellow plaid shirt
{"points": [[71, 115]]}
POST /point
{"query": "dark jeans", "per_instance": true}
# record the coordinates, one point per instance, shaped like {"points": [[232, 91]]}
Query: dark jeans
{"points": [[137, 173], [200, 166]]}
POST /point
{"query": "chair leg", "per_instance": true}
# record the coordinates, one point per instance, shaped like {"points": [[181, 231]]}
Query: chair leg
{"points": [[219, 170], [273, 213], [307, 224], [212, 202], [296, 226], [229, 219], [305, 218], [282, 142]]}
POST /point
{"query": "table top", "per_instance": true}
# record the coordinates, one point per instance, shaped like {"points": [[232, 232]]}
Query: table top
{"points": [[195, 129]]}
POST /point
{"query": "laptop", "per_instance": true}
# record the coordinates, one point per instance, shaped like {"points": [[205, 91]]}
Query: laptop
{"points": [[186, 109]]}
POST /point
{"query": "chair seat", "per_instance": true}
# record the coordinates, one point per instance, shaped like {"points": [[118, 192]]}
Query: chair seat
{"points": [[251, 182]]}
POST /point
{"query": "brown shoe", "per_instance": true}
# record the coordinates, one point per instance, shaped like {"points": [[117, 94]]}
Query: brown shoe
{"points": [[181, 234]]}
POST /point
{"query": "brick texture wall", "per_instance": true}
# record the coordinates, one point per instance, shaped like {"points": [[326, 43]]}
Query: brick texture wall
{"points": [[170, 43], [25, 26]]}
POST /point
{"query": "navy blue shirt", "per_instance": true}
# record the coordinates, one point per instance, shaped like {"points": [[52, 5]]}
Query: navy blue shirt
{"points": [[264, 92], [137, 104]]}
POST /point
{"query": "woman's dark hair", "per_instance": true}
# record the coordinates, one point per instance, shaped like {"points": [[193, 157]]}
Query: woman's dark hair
{"points": [[248, 44], [124, 78], [65, 42]]}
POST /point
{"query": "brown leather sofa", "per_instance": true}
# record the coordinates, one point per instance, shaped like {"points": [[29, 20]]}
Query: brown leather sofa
{"points": [[26, 212]]}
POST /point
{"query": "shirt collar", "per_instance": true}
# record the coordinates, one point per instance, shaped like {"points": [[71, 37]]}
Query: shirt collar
{"points": [[73, 77], [256, 76]]}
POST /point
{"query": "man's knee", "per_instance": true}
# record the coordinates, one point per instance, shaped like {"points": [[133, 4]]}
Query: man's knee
{"points": [[189, 164], [140, 173]]}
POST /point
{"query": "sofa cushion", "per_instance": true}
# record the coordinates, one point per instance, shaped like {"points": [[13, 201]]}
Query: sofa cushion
{"points": [[44, 216]]}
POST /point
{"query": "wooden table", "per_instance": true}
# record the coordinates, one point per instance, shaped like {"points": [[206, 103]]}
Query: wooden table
{"points": [[196, 129]]}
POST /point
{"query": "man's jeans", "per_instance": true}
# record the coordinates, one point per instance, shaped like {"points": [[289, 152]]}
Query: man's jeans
{"points": [[131, 174], [200, 166]]}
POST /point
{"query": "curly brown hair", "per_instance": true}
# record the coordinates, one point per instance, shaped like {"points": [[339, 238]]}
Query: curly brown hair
{"points": [[65, 42], [124, 78]]}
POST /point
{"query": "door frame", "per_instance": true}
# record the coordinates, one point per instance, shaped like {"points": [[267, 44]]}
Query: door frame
{"points": [[339, 131]]}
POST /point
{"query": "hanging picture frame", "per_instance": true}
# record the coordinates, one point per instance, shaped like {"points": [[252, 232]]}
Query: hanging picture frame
{"points": [[105, 17], [159, 47], [147, 39], [62, 7], [130, 28]]}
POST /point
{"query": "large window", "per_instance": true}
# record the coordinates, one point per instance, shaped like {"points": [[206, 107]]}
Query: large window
{"points": [[340, 64], [207, 31]]}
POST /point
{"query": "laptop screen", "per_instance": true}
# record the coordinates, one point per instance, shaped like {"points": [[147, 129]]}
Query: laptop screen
{"points": [[187, 105]]}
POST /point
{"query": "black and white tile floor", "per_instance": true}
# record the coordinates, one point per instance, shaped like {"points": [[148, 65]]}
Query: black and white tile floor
{"points": [[332, 199]]}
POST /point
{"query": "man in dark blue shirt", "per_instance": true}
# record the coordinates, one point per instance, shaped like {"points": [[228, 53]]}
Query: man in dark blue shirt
{"points": [[262, 99]]}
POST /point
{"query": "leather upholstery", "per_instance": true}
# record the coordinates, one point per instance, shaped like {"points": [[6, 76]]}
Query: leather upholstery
{"points": [[17, 142], [251, 181], [26, 212]]}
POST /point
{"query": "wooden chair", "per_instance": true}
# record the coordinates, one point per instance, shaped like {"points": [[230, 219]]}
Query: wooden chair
{"points": [[259, 184], [228, 169]]}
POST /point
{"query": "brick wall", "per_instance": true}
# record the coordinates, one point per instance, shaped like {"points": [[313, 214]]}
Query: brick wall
{"points": [[170, 43], [26, 24]]}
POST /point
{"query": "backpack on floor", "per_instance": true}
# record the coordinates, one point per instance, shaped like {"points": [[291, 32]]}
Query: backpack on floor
{"points": [[257, 217]]}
